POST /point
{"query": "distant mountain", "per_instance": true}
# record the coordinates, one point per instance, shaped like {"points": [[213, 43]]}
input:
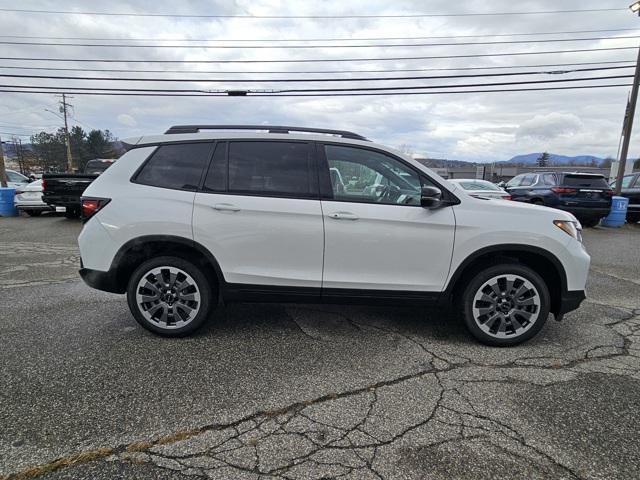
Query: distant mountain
{"points": [[554, 159], [443, 162]]}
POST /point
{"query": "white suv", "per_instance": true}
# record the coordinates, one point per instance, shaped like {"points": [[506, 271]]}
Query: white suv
{"points": [[208, 214]]}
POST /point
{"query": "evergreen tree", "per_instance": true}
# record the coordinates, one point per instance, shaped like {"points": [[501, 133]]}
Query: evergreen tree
{"points": [[543, 160]]}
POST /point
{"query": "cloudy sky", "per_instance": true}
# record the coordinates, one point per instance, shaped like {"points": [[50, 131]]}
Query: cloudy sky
{"points": [[476, 126]]}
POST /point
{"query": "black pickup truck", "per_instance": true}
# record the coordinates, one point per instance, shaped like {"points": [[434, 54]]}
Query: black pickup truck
{"points": [[65, 190]]}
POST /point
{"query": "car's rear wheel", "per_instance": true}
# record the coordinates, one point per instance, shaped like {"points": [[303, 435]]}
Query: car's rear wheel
{"points": [[633, 217], [505, 304], [589, 222], [33, 213], [169, 296]]}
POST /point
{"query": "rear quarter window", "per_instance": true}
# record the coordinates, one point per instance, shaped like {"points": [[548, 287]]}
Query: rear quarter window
{"points": [[177, 166]]}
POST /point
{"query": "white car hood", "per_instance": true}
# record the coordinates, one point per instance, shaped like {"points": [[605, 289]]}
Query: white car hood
{"points": [[526, 208]]}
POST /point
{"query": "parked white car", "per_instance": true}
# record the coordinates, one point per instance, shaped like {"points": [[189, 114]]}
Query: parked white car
{"points": [[209, 214], [28, 199], [481, 188]]}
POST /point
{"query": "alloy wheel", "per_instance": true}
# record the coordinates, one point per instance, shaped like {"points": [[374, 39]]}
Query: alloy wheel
{"points": [[506, 306], [168, 297]]}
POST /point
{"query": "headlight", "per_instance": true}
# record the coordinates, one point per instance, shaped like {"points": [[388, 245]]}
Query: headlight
{"points": [[570, 227]]}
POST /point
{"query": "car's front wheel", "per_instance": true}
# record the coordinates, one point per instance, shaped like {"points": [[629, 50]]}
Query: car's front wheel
{"points": [[169, 296], [505, 304]]}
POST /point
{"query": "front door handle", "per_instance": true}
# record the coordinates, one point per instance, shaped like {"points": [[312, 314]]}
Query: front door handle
{"points": [[343, 216], [226, 207]]}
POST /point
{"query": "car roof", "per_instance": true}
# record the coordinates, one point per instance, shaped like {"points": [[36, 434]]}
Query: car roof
{"points": [[230, 134]]}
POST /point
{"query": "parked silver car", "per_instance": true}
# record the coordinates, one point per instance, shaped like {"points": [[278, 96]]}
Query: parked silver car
{"points": [[481, 188]]}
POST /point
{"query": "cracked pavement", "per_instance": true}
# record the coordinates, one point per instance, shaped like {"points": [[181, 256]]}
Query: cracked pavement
{"points": [[308, 391]]}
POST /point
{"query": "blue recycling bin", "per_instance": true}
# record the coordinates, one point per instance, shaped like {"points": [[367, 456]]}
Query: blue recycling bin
{"points": [[617, 214], [7, 208]]}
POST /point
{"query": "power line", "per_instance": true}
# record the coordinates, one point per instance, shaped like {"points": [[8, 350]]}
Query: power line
{"points": [[351, 39], [319, 17], [319, 60], [372, 45], [501, 90], [304, 90], [16, 134], [314, 72], [311, 80]]}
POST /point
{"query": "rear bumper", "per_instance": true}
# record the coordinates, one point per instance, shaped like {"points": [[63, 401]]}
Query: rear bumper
{"points": [[34, 206], [570, 300], [105, 281], [61, 201]]}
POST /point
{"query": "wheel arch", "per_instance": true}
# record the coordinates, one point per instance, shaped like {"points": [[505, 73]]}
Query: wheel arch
{"points": [[139, 249], [543, 262]]}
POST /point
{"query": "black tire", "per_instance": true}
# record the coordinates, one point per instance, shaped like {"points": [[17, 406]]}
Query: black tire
{"points": [[537, 201], [33, 213], [589, 222], [167, 310], [72, 213], [515, 306], [633, 217]]}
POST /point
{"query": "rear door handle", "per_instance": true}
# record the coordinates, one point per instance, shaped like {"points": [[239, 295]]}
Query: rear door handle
{"points": [[343, 216], [226, 207]]}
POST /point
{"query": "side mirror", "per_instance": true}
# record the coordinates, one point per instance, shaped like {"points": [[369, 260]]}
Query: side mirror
{"points": [[430, 197], [501, 184]]}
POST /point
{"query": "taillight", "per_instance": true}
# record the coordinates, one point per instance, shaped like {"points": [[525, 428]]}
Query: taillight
{"points": [[43, 184], [563, 190], [90, 206], [507, 197], [608, 193]]}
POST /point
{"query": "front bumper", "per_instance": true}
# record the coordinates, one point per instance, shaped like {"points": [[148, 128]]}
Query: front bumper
{"points": [[570, 301], [106, 281]]}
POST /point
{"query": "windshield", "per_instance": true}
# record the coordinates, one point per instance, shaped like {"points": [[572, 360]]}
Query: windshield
{"points": [[96, 167], [585, 181]]}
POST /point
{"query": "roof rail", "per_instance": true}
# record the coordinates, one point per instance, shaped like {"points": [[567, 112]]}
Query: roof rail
{"points": [[269, 128]]}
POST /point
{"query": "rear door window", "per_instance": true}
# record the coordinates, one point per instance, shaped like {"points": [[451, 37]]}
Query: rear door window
{"points": [[177, 166], [16, 178], [272, 169]]}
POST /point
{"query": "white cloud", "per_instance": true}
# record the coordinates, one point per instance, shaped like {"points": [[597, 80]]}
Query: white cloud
{"points": [[550, 126], [127, 120]]}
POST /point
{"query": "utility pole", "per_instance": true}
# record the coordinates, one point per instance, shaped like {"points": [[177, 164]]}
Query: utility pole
{"points": [[3, 171], [63, 110], [17, 146]]}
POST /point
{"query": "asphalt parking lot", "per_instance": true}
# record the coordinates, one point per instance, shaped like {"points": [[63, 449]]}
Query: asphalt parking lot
{"points": [[308, 392]]}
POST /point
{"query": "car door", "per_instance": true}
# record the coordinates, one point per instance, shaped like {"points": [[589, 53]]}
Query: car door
{"points": [[377, 236], [512, 186], [522, 192], [632, 192], [258, 212]]}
